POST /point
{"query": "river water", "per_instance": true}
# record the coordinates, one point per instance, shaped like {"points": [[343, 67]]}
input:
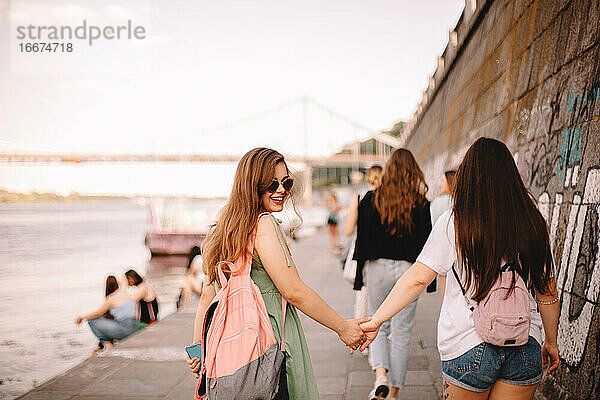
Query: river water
{"points": [[54, 259]]}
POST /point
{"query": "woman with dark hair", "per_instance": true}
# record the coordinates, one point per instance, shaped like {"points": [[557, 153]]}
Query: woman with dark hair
{"points": [[494, 224], [193, 279], [393, 225], [123, 311], [145, 296]]}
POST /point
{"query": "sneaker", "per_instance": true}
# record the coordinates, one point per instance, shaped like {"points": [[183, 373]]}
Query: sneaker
{"points": [[380, 389]]}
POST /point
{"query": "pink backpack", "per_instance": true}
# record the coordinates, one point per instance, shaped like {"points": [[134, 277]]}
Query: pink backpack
{"points": [[500, 318], [242, 360]]}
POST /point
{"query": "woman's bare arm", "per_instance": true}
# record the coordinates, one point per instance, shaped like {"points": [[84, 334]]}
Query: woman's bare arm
{"points": [[208, 294], [550, 314], [294, 290], [408, 287], [104, 308]]}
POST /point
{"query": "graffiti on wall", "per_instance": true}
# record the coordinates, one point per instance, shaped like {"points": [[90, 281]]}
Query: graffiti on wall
{"points": [[572, 214], [579, 108], [579, 264]]}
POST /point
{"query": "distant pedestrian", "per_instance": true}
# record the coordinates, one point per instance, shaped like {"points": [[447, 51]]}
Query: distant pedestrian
{"points": [[443, 202], [333, 220], [393, 225], [494, 245], [193, 279], [145, 296], [440, 205], [373, 179], [124, 316]]}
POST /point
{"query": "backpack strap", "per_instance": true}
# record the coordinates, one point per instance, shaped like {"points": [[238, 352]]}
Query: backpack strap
{"points": [[509, 266], [464, 292], [286, 251]]}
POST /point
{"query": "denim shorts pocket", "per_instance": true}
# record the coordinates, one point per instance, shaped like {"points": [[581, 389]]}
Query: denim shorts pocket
{"points": [[532, 355], [470, 361]]}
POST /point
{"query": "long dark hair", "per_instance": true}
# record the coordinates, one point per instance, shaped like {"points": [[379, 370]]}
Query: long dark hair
{"points": [[497, 219], [402, 188], [111, 285], [135, 276]]}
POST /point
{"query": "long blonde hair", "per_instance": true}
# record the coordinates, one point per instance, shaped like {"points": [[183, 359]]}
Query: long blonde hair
{"points": [[402, 188], [229, 238]]}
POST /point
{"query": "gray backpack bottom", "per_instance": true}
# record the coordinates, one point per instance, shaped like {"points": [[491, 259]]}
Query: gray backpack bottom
{"points": [[258, 380]]}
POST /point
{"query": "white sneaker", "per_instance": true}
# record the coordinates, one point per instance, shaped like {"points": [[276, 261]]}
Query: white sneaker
{"points": [[381, 388]]}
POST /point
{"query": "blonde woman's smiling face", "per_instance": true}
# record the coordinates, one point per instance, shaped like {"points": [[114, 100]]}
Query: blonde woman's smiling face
{"points": [[273, 202]]}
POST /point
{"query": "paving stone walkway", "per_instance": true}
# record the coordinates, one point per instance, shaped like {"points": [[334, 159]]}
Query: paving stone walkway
{"points": [[150, 364]]}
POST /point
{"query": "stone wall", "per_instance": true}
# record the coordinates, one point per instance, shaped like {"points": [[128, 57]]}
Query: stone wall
{"points": [[528, 73]]}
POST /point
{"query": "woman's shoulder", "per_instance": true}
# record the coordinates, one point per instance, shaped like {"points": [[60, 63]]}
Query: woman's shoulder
{"points": [[268, 228], [266, 224], [117, 298], [367, 199]]}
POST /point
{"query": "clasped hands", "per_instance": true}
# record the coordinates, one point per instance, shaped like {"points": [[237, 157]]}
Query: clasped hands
{"points": [[358, 333]]}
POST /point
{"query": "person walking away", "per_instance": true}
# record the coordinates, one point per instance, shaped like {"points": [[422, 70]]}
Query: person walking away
{"points": [[262, 184], [124, 316], [373, 179], [145, 296], [499, 319], [440, 205], [332, 221], [393, 225]]}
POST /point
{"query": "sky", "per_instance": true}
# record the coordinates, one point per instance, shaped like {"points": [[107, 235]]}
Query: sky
{"points": [[203, 65]]}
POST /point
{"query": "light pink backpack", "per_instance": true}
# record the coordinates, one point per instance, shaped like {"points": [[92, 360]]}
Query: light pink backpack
{"points": [[501, 318], [242, 360]]}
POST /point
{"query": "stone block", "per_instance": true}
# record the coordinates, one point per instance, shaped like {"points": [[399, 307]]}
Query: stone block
{"points": [[49, 395], [127, 387], [81, 376], [418, 393], [418, 378], [361, 378], [359, 392], [335, 386]]}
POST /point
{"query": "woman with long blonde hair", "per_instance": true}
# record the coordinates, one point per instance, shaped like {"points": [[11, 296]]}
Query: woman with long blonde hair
{"points": [[393, 225], [262, 184]]}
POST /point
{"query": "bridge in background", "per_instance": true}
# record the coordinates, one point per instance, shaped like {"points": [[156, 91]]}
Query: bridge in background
{"points": [[342, 159], [354, 156]]}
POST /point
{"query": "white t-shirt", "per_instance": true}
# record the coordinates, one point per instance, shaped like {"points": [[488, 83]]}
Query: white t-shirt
{"points": [[438, 206], [456, 330]]}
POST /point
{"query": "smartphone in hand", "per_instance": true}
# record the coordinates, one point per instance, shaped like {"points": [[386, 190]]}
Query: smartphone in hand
{"points": [[194, 350]]}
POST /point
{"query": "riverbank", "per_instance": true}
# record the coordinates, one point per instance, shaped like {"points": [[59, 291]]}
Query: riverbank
{"points": [[9, 197], [151, 364], [15, 198]]}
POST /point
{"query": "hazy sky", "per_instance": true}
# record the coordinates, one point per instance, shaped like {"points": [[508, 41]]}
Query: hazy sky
{"points": [[204, 64]]}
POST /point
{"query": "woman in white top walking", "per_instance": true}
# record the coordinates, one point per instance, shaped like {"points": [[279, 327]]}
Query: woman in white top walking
{"points": [[494, 220]]}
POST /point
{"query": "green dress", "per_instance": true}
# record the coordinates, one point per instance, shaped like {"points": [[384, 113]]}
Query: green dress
{"points": [[300, 376]]}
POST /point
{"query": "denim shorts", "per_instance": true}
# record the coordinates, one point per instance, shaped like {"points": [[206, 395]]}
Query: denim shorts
{"points": [[479, 368]]}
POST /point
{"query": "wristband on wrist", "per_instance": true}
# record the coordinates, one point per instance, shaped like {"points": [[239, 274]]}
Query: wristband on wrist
{"points": [[547, 303]]}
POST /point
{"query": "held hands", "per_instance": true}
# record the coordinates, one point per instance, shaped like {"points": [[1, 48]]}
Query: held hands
{"points": [[370, 330], [550, 350], [351, 333]]}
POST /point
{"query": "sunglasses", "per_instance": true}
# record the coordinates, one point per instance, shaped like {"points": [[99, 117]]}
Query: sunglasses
{"points": [[287, 184]]}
